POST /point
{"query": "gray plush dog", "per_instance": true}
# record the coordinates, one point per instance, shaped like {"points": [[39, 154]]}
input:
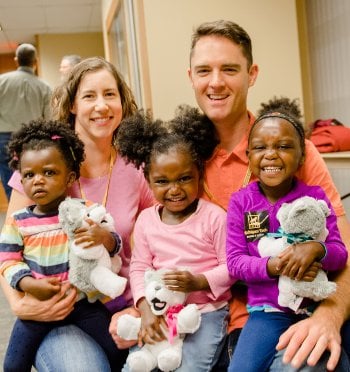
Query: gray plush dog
{"points": [[304, 218], [90, 269]]}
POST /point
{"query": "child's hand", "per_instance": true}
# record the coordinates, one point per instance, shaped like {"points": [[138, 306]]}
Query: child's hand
{"points": [[184, 281], [151, 325], [296, 259], [311, 272], [92, 235], [42, 289]]}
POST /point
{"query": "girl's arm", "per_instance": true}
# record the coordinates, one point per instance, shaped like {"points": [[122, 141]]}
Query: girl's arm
{"points": [[42, 289], [242, 264], [151, 325], [95, 235]]}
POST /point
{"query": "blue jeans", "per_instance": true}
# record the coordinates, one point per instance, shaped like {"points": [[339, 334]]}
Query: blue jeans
{"points": [[5, 171], [92, 318], [68, 348], [202, 349], [279, 366], [255, 350]]}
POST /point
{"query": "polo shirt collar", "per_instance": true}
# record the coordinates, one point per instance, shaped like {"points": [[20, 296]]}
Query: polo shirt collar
{"points": [[240, 150]]}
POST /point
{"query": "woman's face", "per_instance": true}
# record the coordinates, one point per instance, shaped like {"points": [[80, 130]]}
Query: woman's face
{"points": [[97, 106]]}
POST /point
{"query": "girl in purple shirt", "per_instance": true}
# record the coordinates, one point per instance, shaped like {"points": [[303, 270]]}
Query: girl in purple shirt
{"points": [[276, 149]]}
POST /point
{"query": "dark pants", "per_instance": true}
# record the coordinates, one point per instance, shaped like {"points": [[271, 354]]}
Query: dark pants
{"points": [[227, 351], [92, 318], [5, 171]]}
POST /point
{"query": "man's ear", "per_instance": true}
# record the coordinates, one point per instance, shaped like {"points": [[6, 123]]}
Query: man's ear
{"points": [[189, 73], [253, 74]]}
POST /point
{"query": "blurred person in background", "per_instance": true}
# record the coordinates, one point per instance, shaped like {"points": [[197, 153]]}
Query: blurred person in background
{"points": [[23, 97]]}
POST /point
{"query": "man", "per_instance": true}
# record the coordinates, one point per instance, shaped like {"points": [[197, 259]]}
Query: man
{"points": [[67, 63], [23, 97], [221, 72]]}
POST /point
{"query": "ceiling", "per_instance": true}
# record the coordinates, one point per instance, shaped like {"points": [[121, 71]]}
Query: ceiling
{"points": [[21, 20]]}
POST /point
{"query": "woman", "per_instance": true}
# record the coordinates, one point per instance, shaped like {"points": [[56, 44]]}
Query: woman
{"points": [[93, 100]]}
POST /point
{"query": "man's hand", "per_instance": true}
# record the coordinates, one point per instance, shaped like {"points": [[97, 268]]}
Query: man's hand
{"points": [[308, 339]]}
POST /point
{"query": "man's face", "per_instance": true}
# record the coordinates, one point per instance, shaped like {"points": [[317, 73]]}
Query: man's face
{"points": [[220, 78]]}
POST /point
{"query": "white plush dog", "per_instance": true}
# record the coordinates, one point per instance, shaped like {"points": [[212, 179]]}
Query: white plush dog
{"points": [[92, 268], [166, 355], [303, 219]]}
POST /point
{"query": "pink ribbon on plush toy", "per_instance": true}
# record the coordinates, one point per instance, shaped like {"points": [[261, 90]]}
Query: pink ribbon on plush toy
{"points": [[171, 320]]}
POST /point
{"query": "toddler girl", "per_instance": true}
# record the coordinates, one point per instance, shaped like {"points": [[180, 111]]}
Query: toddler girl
{"points": [[33, 247]]}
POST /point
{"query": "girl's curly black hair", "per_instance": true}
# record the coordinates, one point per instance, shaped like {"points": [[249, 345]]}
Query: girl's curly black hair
{"points": [[140, 138], [283, 108], [40, 134]]}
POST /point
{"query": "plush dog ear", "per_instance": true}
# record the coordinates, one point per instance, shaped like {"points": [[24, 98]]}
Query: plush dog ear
{"points": [[324, 207], [149, 273]]}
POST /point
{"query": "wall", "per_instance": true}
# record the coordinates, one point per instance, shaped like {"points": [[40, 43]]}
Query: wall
{"points": [[328, 36], [7, 63], [52, 47], [272, 25]]}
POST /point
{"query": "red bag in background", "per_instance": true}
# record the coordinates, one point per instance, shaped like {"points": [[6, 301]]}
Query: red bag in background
{"points": [[330, 135]]}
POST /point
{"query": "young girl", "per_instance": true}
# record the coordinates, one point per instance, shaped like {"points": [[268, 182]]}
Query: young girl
{"points": [[33, 247], [182, 231], [276, 149]]}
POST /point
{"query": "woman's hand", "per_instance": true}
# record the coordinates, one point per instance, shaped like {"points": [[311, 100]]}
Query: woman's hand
{"points": [[184, 281], [56, 308]]}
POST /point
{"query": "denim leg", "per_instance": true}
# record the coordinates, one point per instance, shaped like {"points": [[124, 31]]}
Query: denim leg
{"points": [[5, 171], [25, 339], [67, 349], [255, 348], [279, 366], [201, 349], [94, 319]]}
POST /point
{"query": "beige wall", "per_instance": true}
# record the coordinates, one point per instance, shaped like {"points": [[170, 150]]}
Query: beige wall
{"points": [[52, 47], [272, 25]]}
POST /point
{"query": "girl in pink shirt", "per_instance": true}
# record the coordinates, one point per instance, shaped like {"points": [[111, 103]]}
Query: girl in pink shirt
{"points": [[182, 231]]}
